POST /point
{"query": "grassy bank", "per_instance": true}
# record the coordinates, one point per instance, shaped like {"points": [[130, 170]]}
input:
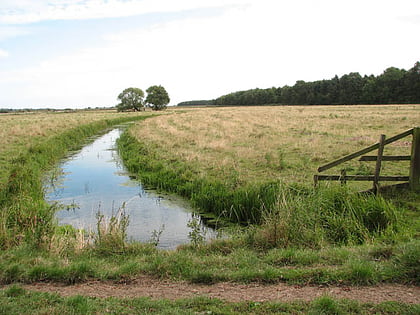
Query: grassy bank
{"points": [[246, 165], [221, 260], [16, 300], [292, 215], [225, 162], [255, 165], [25, 216]]}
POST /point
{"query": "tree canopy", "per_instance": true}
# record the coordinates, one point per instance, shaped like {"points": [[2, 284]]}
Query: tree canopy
{"points": [[131, 99], [393, 86], [157, 97]]}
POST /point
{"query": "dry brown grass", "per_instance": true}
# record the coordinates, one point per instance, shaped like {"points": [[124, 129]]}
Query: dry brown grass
{"points": [[254, 144], [16, 127]]}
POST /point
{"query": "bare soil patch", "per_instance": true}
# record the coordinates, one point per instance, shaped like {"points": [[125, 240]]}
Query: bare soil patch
{"points": [[233, 292]]}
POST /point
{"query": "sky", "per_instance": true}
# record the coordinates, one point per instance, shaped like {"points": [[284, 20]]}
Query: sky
{"points": [[83, 53]]}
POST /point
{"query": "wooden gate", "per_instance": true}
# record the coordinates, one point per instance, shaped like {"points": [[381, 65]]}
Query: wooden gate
{"points": [[413, 180]]}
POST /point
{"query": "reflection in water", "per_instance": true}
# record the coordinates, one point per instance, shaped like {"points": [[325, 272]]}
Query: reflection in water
{"points": [[95, 180]]}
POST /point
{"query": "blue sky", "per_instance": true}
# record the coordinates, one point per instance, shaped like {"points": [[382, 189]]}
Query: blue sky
{"points": [[80, 53]]}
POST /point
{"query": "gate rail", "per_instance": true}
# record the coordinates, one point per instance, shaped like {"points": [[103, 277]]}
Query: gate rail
{"points": [[414, 176]]}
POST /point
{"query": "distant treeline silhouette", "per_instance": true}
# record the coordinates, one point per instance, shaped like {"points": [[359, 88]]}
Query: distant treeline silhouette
{"points": [[393, 86], [197, 103]]}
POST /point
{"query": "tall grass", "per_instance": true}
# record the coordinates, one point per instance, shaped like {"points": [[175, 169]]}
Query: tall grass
{"points": [[111, 233], [328, 216], [25, 216]]}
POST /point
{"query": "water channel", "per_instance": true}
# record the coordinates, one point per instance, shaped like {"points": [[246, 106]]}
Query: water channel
{"points": [[94, 179]]}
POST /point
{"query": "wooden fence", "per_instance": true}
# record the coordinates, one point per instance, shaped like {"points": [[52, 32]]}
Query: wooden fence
{"points": [[413, 180]]}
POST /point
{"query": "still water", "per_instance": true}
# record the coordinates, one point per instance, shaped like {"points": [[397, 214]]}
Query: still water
{"points": [[94, 179]]}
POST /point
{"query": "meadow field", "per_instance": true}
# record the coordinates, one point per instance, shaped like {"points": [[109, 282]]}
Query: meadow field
{"points": [[249, 170], [257, 144]]}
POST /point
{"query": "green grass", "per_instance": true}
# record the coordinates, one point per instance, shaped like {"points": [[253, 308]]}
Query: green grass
{"points": [[15, 300], [289, 233], [220, 260], [291, 215]]}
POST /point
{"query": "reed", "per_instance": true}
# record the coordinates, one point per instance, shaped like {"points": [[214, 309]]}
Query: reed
{"points": [[111, 233]]}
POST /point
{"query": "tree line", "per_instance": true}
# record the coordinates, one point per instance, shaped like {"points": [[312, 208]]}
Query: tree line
{"points": [[196, 103], [393, 86]]}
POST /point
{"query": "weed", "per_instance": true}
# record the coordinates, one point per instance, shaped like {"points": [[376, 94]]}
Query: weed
{"points": [[155, 237], [196, 235], [111, 233]]}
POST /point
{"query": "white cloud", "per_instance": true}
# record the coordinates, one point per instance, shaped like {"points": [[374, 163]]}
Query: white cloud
{"points": [[7, 32], [24, 11], [267, 43], [3, 53], [178, 55]]}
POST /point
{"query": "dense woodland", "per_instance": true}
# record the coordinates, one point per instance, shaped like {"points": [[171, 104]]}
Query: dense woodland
{"points": [[197, 103], [393, 86]]}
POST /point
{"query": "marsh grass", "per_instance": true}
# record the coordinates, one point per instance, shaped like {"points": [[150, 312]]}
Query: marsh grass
{"points": [[323, 217], [68, 241]]}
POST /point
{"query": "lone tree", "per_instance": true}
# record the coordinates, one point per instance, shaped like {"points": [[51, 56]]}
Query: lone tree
{"points": [[157, 97], [131, 99]]}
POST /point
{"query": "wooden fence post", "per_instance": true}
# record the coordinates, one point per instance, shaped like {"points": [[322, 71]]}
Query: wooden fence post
{"points": [[343, 177], [378, 164], [415, 161]]}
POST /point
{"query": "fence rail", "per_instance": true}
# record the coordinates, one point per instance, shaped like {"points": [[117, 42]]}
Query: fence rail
{"points": [[414, 176]]}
